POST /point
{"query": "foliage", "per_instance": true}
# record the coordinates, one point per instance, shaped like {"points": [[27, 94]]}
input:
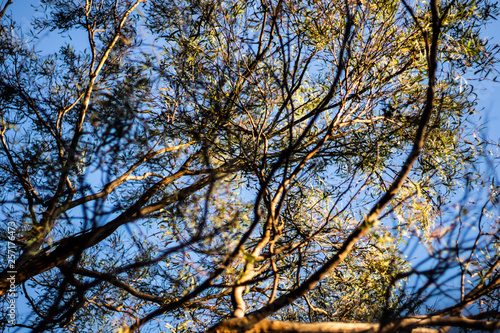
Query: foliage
{"points": [[173, 165]]}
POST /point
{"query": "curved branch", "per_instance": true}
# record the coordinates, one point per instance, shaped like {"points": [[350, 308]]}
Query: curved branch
{"points": [[2, 13], [371, 219], [114, 281]]}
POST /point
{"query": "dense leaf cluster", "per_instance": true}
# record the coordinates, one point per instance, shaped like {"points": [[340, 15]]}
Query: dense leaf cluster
{"points": [[175, 164]]}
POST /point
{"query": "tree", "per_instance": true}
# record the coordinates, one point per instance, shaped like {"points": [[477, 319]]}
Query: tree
{"points": [[249, 166]]}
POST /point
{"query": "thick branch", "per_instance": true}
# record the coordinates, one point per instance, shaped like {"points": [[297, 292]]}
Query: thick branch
{"points": [[68, 247], [413, 324]]}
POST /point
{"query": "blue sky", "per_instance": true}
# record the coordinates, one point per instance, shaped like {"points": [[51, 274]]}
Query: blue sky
{"points": [[489, 92]]}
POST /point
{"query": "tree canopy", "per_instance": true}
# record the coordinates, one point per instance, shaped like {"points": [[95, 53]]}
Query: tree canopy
{"points": [[250, 166]]}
